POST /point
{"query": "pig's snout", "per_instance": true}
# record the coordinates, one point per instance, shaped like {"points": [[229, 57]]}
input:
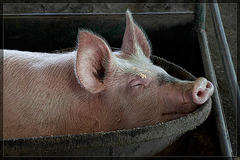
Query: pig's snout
{"points": [[202, 90]]}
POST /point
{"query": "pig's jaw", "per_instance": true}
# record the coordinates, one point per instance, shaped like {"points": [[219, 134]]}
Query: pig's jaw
{"points": [[170, 114]]}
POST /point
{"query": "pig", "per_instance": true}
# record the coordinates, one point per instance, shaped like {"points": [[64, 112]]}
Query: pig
{"points": [[93, 89]]}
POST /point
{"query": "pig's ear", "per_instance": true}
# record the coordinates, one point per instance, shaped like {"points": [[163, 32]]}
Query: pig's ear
{"points": [[134, 37], [94, 62]]}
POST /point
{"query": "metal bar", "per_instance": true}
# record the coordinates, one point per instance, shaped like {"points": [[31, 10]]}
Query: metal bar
{"points": [[223, 135], [200, 15], [227, 62], [36, 15], [81, 14]]}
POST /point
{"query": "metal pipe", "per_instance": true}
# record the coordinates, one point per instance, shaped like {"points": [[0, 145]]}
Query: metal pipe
{"points": [[200, 15], [223, 136], [65, 15], [227, 62]]}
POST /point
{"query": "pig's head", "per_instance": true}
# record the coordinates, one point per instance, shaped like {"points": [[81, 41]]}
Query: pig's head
{"points": [[138, 92]]}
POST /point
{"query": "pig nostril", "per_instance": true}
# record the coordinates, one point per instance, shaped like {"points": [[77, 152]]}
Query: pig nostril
{"points": [[208, 85], [199, 93], [202, 90]]}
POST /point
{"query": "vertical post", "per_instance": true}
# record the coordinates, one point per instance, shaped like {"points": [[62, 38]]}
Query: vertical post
{"points": [[229, 71], [200, 15], [223, 135]]}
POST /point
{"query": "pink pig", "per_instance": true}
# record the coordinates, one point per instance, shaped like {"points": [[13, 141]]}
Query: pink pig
{"points": [[93, 89]]}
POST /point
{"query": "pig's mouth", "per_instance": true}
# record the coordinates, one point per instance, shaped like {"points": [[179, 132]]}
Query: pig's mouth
{"points": [[179, 113], [175, 114], [172, 115]]}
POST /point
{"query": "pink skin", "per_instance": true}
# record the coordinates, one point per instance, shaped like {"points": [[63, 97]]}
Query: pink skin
{"points": [[188, 99], [202, 89], [91, 90], [154, 103]]}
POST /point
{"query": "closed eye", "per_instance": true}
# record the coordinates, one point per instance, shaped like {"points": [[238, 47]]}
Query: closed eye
{"points": [[139, 82], [136, 85]]}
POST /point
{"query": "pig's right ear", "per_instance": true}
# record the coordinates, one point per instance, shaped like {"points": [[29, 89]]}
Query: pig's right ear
{"points": [[94, 62], [134, 37]]}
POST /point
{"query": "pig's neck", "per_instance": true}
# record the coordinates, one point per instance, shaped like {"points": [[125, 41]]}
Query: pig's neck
{"points": [[48, 99], [85, 112]]}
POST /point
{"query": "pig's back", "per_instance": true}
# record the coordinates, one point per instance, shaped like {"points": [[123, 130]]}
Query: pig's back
{"points": [[36, 85], [32, 68], [31, 59]]}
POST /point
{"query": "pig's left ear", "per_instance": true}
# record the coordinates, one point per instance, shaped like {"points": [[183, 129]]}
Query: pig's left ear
{"points": [[134, 37], [94, 62]]}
